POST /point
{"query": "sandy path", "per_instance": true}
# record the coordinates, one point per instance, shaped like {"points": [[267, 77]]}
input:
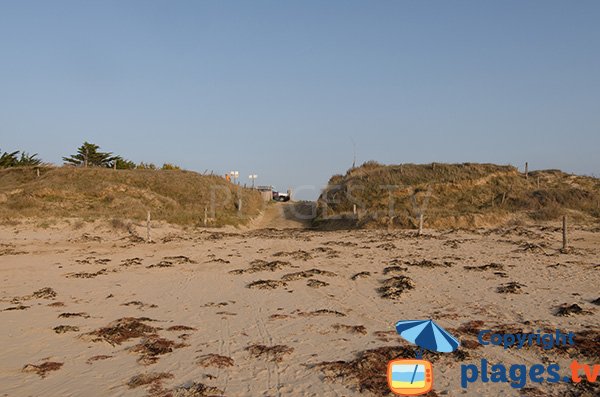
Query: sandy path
{"points": [[289, 215]]}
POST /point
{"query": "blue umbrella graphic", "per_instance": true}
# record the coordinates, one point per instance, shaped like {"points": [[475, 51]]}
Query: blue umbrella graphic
{"points": [[427, 335]]}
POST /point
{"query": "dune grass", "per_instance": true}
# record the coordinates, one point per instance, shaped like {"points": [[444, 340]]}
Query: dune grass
{"points": [[178, 197], [455, 195]]}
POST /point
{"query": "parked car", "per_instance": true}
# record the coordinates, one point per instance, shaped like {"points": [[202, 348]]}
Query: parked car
{"points": [[278, 196]]}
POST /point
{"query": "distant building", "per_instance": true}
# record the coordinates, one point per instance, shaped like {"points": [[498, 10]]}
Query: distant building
{"points": [[266, 192]]}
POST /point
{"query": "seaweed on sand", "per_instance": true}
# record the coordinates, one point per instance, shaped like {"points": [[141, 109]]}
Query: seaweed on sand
{"points": [[215, 360], [267, 284], [122, 330], [271, 353], [43, 368], [393, 287]]}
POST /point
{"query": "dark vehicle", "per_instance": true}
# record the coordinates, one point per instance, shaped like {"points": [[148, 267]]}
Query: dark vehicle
{"points": [[278, 196]]}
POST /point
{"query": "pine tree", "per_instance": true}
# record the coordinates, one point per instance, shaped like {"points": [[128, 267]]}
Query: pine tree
{"points": [[28, 160], [89, 156], [13, 159], [8, 159]]}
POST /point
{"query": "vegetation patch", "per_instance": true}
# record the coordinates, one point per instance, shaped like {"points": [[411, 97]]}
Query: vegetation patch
{"points": [[43, 368], [215, 360], [307, 274], [494, 266], [510, 288], [86, 274], [151, 378], [360, 275], [97, 192], [61, 329], [394, 287], [352, 329], [122, 330], [569, 310], [464, 195], [153, 346], [322, 312], [271, 353], [259, 265], [365, 373], [314, 283], [267, 284], [194, 389], [78, 314]]}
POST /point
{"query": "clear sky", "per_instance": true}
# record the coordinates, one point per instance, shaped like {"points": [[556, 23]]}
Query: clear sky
{"points": [[287, 89]]}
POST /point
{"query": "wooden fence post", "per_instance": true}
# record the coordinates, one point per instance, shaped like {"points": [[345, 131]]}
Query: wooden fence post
{"points": [[565, 244], [205, 216], [526, 170], [37, 171], [420, 223], [354, 209], [148, 238], [239, 205]]}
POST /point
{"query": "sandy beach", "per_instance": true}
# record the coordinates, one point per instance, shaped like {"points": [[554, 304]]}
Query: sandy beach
{"points": [[90, 310]]}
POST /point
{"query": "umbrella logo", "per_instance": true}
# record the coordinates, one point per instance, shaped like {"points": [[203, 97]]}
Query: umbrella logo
{"points": [[413, 377]]}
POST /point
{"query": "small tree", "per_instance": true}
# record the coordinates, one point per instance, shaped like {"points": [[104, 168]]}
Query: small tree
{"points": [[12, 159], [8, 159], [28, 160], [89, 156], [146, 166], [169, 166], [123, 164]]}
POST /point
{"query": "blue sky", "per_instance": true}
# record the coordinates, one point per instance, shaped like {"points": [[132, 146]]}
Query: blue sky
{"points": [[287, 89]]}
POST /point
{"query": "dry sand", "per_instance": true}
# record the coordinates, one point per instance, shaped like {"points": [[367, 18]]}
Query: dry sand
{"points": [[91, 311]]}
